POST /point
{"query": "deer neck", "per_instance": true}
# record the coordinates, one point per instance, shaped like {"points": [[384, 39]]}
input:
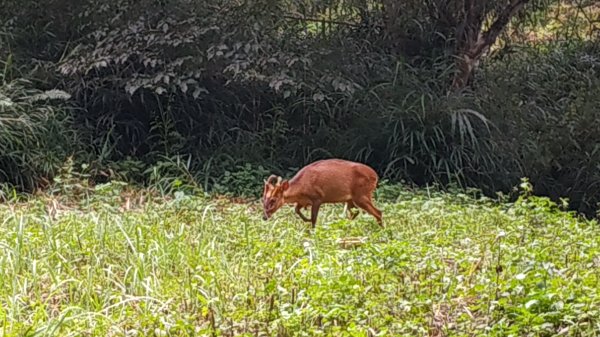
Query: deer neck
{"points": [[292, 195]]}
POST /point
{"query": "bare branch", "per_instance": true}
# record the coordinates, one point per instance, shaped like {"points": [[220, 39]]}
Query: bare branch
{"points": [[489, 37], [324, 21]]}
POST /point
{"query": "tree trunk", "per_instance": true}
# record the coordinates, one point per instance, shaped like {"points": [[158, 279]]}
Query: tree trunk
{"points": [[472, 43]]}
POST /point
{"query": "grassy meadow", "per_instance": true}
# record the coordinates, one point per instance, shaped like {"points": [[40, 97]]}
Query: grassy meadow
{"points": [[114, 261]]}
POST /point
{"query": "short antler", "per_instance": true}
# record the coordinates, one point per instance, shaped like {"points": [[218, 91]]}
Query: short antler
{"points": [[270, 180]]}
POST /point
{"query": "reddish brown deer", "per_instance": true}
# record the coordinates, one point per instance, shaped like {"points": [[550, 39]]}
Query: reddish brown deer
{"points": [[324, 181]]}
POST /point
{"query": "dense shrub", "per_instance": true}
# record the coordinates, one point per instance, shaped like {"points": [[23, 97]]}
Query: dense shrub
{"points": [[36, 133], [545, 109]]}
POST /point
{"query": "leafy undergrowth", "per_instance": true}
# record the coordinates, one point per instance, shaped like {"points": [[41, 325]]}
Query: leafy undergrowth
{"points": [[118, 263]]}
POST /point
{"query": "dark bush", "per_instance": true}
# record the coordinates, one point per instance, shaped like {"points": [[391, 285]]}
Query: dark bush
{"points": [[272, 86]]}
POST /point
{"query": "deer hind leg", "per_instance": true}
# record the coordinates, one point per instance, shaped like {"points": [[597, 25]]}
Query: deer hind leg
{"points": [[314, 212], [351, 209], [367, 204]]}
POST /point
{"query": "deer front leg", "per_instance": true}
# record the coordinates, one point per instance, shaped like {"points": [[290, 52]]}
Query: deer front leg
{"points": [[299, 212]]}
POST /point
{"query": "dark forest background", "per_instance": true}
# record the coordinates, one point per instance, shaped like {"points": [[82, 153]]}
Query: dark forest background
{"points": [[216, 94]]}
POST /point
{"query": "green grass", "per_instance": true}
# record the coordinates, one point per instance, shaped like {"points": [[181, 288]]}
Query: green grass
{"points": [[123, 263]]}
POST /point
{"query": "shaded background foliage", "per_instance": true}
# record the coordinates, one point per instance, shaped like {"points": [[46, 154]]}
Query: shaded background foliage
{"points": [[217, 93]]}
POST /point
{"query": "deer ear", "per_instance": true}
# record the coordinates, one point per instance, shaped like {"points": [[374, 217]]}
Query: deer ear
{"points": [[285, 185]]}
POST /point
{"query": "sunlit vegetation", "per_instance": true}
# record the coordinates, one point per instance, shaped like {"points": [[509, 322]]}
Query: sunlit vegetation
{"points": [[120, 262]]}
